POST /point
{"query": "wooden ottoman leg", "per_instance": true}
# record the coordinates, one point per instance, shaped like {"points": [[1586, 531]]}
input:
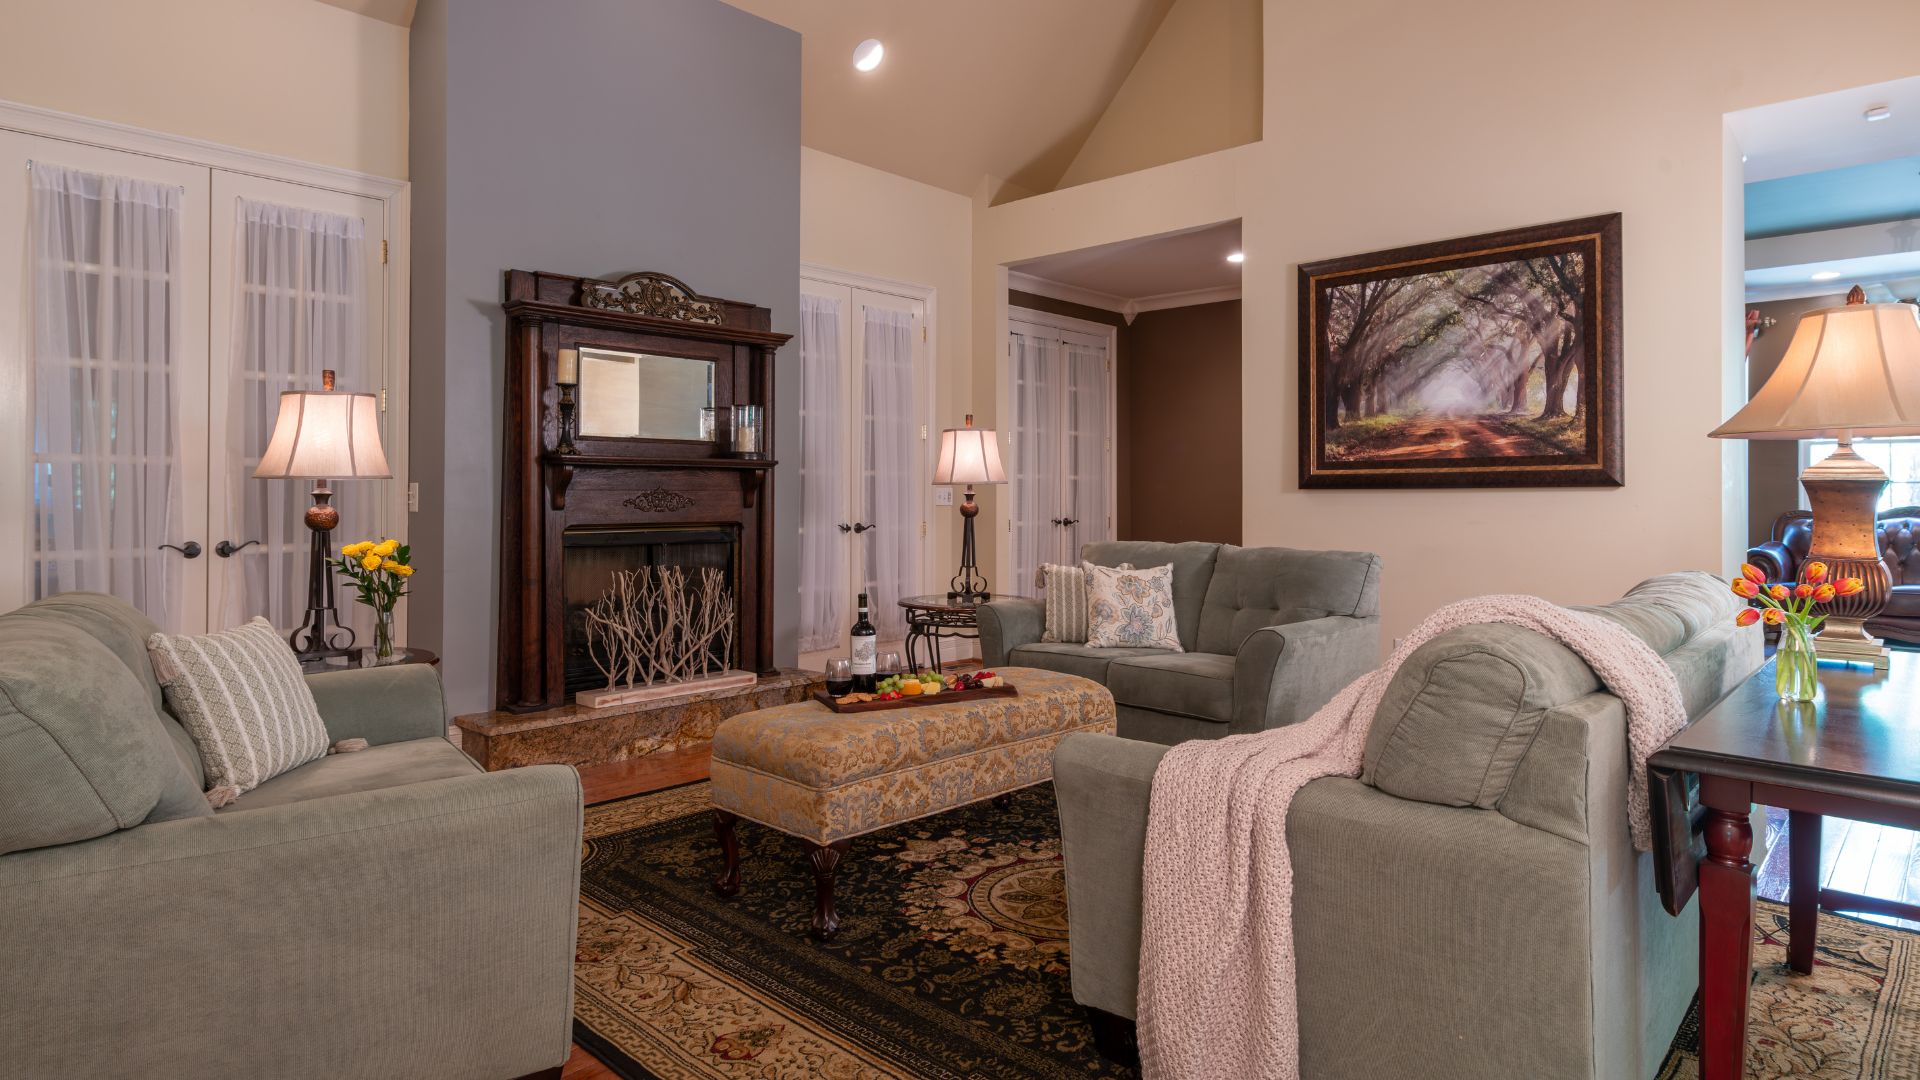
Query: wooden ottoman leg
{"points": [[825, 859], [724, 821]]}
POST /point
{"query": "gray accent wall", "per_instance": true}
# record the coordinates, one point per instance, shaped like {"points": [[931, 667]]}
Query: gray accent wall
{"points": [[591, 137]]}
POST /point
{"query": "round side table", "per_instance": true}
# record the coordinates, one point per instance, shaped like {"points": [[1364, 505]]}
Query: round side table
{"points": [[935, 616]]}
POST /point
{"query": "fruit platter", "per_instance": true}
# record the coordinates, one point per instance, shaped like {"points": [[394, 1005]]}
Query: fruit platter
{"points": [[925, 688]]}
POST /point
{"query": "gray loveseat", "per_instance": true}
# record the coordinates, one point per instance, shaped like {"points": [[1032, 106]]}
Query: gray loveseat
{"points": [[1471, 905], [389, 912], [1270, 635]]}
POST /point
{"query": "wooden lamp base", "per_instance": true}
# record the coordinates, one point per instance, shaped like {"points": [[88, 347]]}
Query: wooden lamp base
{"points": [[1844, 490]]}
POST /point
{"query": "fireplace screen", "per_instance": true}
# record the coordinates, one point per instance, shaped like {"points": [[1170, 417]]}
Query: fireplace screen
{"points": [[594, 555]]}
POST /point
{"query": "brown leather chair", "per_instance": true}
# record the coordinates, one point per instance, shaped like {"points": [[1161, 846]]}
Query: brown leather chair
{"points": [[1898, 530]]}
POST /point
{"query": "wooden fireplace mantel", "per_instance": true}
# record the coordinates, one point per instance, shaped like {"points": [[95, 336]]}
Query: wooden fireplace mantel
{"points": [[613, 483]]}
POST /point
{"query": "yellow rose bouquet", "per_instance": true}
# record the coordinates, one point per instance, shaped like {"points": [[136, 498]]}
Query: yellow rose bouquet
{"points": [[378, 571]]}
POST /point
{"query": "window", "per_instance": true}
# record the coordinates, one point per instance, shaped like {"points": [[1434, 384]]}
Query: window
{"points": [[1900, 458]]}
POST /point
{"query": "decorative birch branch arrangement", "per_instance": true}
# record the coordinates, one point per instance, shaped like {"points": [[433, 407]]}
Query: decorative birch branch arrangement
{"points": [[661, 624]]}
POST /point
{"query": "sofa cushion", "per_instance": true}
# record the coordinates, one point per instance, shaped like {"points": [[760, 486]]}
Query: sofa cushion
{"points": [[1131, 609], [1186, 684], [384, 766], [1271, 586], [1085, 661], [1192, 564], [241, 695], [81, 752]]}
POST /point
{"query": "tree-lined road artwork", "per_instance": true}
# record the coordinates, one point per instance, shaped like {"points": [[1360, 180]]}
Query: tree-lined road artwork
{"points": [[1481, 362]]}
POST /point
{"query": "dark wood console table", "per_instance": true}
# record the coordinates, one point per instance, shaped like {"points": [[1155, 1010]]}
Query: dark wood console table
{"points": [[1853, 753]]}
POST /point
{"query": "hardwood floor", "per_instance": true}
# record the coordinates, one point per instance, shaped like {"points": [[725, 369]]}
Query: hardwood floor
{"points": [[619, 780], [1855, 856]]}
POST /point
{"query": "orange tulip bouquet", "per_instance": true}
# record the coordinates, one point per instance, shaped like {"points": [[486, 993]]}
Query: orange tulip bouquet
{"points": [[378, 570], [1791, 608]]}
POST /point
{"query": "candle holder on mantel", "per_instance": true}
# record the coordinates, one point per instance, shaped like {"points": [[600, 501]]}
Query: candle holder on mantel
{"points": [[747, 433], [566, 376]]}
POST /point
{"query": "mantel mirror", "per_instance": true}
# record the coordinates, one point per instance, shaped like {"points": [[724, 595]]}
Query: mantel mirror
{"points": [[630, 395]]}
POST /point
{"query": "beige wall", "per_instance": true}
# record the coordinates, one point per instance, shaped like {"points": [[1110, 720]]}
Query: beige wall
{"points": [[1194, 90], [1389, 124], [296, 78], [865, 221]]}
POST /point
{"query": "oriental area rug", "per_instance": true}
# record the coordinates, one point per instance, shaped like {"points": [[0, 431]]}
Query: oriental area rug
{"points": [[952, 960]]}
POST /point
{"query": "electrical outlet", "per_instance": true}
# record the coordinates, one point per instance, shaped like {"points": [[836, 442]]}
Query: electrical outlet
{"points": [[413, 498], [943, 496]]}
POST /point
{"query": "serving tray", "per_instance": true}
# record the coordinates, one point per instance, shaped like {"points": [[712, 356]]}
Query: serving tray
{"points": [[916, 700]]}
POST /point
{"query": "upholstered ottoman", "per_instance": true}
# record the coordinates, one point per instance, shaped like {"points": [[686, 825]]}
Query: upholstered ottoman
{"points": [[828, 777]]}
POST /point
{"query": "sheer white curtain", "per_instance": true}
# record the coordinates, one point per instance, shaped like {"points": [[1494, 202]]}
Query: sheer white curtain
{"points": [[300, 306], [1089, 433], [891, 488], [1034, 475], [106, 264], [825, 611]]}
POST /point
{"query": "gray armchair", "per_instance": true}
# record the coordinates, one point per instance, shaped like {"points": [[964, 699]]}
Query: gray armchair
{"points": [[1270, 634], [389, 912], [1471, 904]]}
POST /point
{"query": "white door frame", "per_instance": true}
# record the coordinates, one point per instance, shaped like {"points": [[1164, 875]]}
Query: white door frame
{"points": [[1021, 319], [395, 194]]}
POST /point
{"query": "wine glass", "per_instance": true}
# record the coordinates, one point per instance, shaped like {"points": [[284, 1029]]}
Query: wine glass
{"points": [[890, 663], [839, 676]]}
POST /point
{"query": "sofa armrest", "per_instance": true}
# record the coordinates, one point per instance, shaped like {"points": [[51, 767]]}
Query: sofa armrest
{"points": [[398, 915], [1007, 624], [1775, 559], [1282, 674], [1102, 785], [396, 703]]}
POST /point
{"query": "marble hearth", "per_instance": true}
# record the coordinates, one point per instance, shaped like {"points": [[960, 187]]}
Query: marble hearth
{"points": [[571, 735]]}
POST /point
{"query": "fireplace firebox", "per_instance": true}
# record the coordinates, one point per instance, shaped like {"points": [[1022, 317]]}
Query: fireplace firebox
{"points": [[637, 484]]}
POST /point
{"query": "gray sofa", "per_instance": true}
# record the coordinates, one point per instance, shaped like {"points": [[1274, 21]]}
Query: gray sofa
{"points": [[1270, 635], [389, 912], [1471, 905]]}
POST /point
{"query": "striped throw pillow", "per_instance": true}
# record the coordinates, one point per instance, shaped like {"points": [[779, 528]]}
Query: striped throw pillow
{"points": [[1066, 594], [241, 696]]}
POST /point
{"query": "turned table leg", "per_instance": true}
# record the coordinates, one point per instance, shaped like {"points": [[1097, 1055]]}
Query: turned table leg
{"points": [[724, 826], [1803, 889], [825, 859], [1726, 928]]}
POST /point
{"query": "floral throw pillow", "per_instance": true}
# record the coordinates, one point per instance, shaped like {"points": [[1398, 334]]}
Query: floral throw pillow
{"points": [[1131, 609]]}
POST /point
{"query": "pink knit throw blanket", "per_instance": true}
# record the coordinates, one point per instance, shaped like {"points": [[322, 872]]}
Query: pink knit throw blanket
{"points": [[1217, 996]]}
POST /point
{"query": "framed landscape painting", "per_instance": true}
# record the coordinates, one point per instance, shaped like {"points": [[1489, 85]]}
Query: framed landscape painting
{"points": [[1489, 361]]}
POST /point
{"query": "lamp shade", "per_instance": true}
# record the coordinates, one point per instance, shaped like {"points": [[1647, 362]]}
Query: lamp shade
{"points": [[323, 434], [1852, 370], [969, 455]]}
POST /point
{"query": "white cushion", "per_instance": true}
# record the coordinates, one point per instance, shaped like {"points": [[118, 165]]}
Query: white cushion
{"points": [[241, 695]]}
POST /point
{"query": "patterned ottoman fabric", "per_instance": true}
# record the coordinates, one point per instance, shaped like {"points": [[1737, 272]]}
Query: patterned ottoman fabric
{"points": [[825, 776]]}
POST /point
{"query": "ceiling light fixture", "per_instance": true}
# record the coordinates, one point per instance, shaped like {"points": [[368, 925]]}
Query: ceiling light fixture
{"points": [[1826, 275], [1237, 257], [1878, 112], [868, 54]]}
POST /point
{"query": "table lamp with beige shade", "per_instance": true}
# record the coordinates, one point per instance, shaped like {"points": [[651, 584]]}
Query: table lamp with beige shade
{"points": [[322, 435], [969, 456], [1849, 371]]}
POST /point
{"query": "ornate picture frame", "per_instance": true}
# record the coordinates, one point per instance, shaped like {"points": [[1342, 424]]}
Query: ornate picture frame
{"points": [[1485, 361]]}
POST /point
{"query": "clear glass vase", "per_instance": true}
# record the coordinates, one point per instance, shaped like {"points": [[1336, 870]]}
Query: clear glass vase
{"points": [[1796, 673], [383, 651]]}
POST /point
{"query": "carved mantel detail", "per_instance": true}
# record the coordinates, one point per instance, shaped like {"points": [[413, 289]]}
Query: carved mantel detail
{"points": [[657, 296], [658, 501]]}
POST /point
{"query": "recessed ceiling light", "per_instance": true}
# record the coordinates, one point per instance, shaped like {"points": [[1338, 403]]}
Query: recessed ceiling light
{"points": [[1237, 257], [868, 54], [1878, 112], [1826, 275], [1743, 159]]}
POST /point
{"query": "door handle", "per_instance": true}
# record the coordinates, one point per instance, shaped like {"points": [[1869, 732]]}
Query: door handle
{"points": [[1069, 521], [845, 528], [860, 527], [227, 548], [191, 549]]}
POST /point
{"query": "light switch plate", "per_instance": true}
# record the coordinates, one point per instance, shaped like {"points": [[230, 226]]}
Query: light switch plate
{"points": [[413, 498], [943, 496]]}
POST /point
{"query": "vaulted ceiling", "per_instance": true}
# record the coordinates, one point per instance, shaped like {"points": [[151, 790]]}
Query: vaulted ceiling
{"points": [[969, 89]]}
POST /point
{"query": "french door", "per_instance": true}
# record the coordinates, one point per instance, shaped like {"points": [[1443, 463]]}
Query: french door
{"points": [[140, 367], [1060, 442], [865, 479]]}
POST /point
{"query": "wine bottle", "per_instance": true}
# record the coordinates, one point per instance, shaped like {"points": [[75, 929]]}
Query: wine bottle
{"points": [[865, 644]]}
